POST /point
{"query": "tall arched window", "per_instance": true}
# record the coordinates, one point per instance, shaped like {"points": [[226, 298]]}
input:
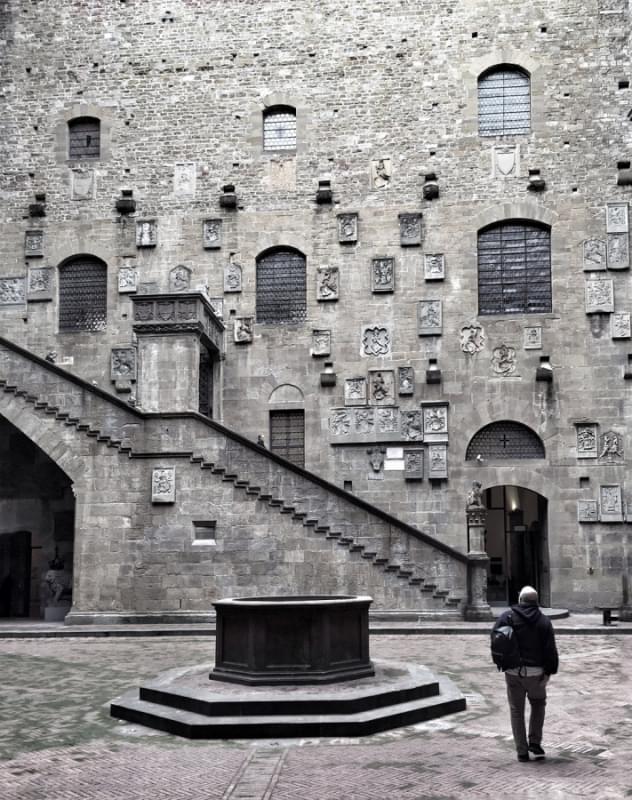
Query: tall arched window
{"points": [[279, 128], [514, 268], [82, 294], [504, 101], [84, 138], [505, 440], [281, 286]]}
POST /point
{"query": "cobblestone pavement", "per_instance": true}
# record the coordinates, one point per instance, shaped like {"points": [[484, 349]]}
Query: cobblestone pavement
{"points": [[57, 741]]}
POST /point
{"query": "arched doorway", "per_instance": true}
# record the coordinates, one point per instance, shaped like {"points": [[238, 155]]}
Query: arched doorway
{"points": [[36, 530], [516, 542]]}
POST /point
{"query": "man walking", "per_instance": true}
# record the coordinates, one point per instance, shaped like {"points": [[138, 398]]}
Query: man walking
{"points": [[529, 659]]}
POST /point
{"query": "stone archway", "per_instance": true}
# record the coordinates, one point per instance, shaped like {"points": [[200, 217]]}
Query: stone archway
{"points": [[37, 507]]}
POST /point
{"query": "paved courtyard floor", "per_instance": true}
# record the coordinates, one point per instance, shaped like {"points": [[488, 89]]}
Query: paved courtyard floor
{"points": [[57, 741]]}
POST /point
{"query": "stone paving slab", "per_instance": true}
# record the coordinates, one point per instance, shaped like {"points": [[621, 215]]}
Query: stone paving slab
{"points": [[57, 741]]}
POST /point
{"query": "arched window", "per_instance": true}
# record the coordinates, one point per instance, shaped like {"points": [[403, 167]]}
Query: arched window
{"points": [[514, 268], [279, 128], [507, 439], [84, 138], [82, 294], [281, 286], [504, 102]]}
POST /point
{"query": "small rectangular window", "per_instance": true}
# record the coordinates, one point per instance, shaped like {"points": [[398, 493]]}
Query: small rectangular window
{"points": [[279, 129], [84, 138], [204, 532]]}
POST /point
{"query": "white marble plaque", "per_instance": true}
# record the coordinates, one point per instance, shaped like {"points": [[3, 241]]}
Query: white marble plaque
{"points": [[163, 485], [620, 325], [617, 218], [599, 297]]}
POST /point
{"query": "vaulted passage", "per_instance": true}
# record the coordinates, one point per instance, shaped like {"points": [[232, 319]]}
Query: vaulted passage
{"points": [[36, 530]]}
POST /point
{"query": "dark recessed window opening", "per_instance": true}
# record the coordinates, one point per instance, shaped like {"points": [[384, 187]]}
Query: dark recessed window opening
{"points": [[281, 287], [287, 435], [83, 295], [514, 269], [505, 440], [504, 102], [279, 128], [84, 138]]}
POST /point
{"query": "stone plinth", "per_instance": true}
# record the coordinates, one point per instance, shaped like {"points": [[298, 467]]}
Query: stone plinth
{"points": [[292, 640]]}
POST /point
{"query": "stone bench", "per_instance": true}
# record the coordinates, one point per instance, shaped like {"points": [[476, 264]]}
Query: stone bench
{"points": [[607, 616]]}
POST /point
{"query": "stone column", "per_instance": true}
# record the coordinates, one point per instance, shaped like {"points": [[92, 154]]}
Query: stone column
{"points": [[477, 608], [625, 612]]}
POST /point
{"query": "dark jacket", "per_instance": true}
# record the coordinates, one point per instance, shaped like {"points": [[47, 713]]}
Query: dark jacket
{"points": [[536, 639]]}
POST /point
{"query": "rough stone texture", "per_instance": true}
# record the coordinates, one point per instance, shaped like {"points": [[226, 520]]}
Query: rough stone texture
{"points": [[188, 88]]}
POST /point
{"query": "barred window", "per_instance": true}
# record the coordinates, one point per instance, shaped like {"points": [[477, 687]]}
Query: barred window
{"points": [[504, 102], [287, 435], [505, 440], [82, 295], [514, 269], [281, 287], [279, 128], [84, 138]]}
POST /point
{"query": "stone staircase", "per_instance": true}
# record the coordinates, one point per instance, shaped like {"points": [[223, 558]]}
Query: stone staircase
{"points": [[417, 571]]}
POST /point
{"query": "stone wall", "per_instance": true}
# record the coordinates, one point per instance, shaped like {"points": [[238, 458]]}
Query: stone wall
{"points": [[180, 96]]}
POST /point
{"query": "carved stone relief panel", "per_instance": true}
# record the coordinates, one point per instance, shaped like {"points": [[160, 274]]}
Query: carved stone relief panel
{"points": [[12, 291], [127, 280], [437, 461], [387, 420], [212, 234], [82, 184], [327, 283], [184, 179], [587, 440], [146, 233], [123, 364], [413, 465], [381, 387], [340, 422], [506, 162], [166, 310], [381, 171], [144, 311], [429, 318], [186, 309], [363, 420], [232, 277], [409, 230], [504, 360], [217, 304], [405, 380], [180, 279], [611, 447], [620, 326], [532, 338], [40, 283], [617, 218], [610, 503], [435, 423], [594, 255], [587, 511], [472, 338], [599, 297], [321, 343], [376, 341], [383, 274], [347, 228], [33, 244], [163, 485], [243, 330], [376, 462], [618, 250], [412, 425], [148, 287], [434, 266], [355, 391]]}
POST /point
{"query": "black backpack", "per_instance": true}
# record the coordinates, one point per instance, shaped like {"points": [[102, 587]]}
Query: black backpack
{"points": [[504, 644]]}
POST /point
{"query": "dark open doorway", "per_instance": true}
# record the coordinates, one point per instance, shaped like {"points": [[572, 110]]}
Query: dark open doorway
{"points": [[517, 543]]}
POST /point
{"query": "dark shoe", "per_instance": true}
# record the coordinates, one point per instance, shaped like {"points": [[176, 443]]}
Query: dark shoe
{"points": [[523, 756], [537, 751]]}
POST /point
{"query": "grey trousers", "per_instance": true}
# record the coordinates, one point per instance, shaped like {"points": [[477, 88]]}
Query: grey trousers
{"points": [[518, 689]]}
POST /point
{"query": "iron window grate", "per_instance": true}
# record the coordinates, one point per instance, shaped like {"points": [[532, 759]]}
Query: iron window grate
{"points": [[287, 435], [514, 269], [84, 138], [504, 103], [279, 129], [281, 287], [505, 440], [82, 296]]}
